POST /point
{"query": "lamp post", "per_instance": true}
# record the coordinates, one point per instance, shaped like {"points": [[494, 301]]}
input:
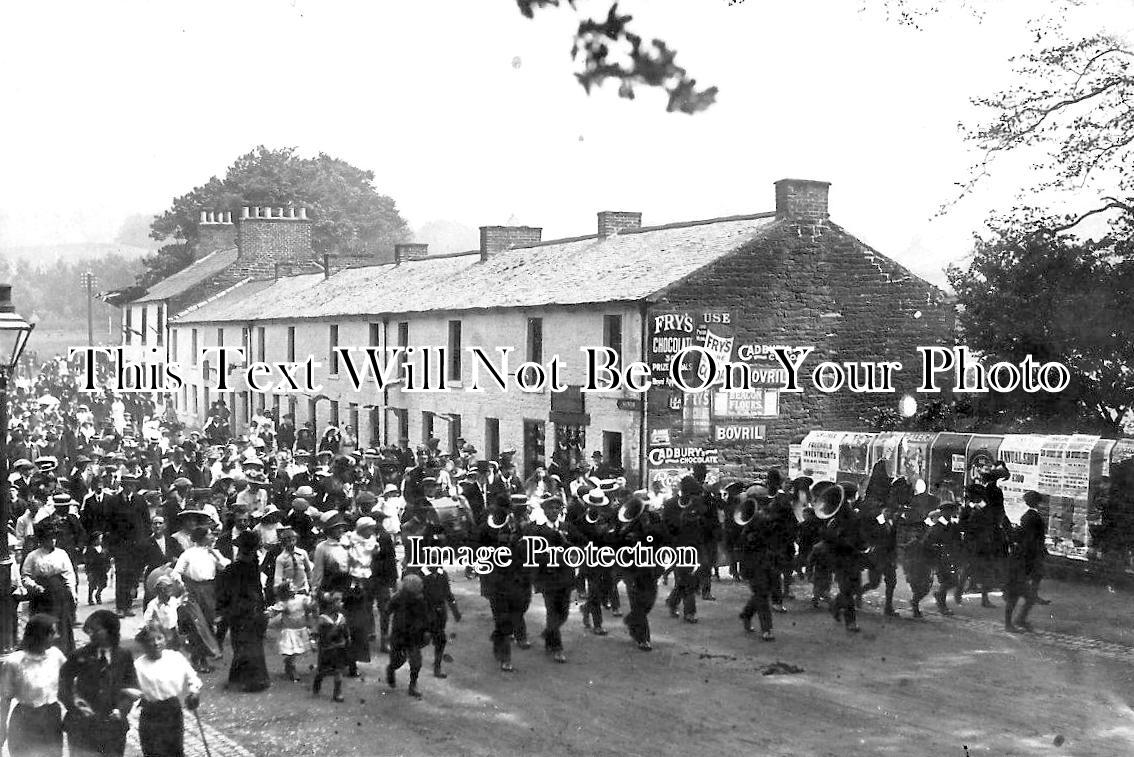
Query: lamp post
{"points": [[14, 333]]}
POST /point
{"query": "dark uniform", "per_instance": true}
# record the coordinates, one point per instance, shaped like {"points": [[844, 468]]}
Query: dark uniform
{"points": [[686, 518], [642, 580], [439, 599], [554, 582], [845, 545], [942, 543], [759, 565], [507, 588], [883, 558], [601, 587]]}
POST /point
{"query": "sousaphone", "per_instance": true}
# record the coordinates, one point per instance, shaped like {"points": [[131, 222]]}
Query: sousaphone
{"points": [[745, 512], [826, 499]]}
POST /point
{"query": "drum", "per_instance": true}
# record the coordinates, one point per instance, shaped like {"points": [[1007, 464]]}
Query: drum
{"points": [[453, 515]]}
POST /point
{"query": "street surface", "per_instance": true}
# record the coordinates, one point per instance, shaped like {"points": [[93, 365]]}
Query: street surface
{"points": [[940, 686]]}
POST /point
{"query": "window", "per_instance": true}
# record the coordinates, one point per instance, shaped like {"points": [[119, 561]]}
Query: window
{"points": [[193, 356], [454, 432], [173, 345], [261, 344], [454, 351], [491, 438], [220, 337], [158, 325], [375, 335], [612, 334], [334, 421], [246, 342], [535, 340], [129, 328], [352, 419], [375, 427], [334, 355], [403, 427], [534, 449], [612, 448], [313, 416], [426, 426], [145, 313], [403, 342], [196, 408]]}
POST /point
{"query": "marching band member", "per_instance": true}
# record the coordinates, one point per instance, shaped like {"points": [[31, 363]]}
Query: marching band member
{"points": [[554, 582], [506, 588], [757, 548], [597, 525], [686, 516], [639, 525]]}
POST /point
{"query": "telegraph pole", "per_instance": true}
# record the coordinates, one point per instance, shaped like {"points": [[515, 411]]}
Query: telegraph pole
{"points": [[88, 279]]}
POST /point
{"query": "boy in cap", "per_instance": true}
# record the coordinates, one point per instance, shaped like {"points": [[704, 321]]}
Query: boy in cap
{"points": [[409, 630]]}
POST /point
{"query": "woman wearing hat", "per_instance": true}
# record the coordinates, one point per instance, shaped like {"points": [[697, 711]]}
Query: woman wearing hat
{"points": [[240, 600], [49, 578]]}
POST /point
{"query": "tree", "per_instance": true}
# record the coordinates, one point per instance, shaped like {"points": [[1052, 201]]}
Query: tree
{"points": [[349, 215], [607, 49], [1059, 299]]}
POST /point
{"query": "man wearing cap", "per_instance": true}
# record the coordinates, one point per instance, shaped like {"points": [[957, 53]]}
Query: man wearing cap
{"points": [[25, 469], [686, 517], [129, 529], [942, 543]]}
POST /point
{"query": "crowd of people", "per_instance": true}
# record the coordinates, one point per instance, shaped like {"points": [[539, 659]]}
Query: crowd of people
{"points": [[224, 537]]}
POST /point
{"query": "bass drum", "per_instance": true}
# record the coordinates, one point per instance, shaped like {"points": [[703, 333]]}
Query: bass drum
{"points": [[453, 515]]}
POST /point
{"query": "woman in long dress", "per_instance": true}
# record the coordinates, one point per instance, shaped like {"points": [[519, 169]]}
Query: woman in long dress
{"points": [[49, 577], [30, 677], [240, 600]]}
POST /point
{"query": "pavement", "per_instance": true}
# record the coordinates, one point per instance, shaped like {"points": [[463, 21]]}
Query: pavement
{"points": [[957, 685]]}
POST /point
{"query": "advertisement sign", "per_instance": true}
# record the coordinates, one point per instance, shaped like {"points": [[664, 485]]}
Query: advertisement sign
{"points": [[740, 432], [981, 453], [854, 454], [795, 461], [671, 331], [913, 456], [1021, 453], [670, 464], [885, 447], [819, 455], [947, 464]]}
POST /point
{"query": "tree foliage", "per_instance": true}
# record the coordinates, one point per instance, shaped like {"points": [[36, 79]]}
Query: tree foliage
{"points": [[1057, 299], [348, 214], [607, 50]]}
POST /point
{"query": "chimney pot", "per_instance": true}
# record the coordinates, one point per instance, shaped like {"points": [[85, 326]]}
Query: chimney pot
{"points": [[303, 213], [611, 222], [404, 251], [326, 265], [802, 200], [244, 212], [202, 216]]}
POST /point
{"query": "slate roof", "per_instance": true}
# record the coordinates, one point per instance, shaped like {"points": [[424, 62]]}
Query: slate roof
{"points": [[627, 267], [189, 277]]}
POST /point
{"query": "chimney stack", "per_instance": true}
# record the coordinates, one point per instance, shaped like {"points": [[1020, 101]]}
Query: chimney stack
{"points": [[802, 200], [494, 239], [268, 235], [215, 231], [410, 251], [611, 222]]}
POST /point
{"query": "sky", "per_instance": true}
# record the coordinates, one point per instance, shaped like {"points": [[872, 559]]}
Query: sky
{"points": [[468, 112]]}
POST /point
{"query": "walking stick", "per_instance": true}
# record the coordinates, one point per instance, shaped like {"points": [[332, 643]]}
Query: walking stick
{"points": [[201, 728]]}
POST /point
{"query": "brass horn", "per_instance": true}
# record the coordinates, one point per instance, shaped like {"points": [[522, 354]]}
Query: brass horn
{"points": [[745, 512], [827, 497], [591, 516], [634, 509], [493, 524]]}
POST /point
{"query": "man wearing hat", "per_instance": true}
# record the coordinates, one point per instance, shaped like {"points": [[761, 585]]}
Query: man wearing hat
{"points": [[299, 514], [1032, 547], [330, 563], [595, 517], [24, 469], [129, 530], [70, 535], [507, 588], [308, 477], [942, 543], [686, 516], [554, 582]]}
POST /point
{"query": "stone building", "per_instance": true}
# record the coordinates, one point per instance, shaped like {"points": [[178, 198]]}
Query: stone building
{"points": [[736, 287]]}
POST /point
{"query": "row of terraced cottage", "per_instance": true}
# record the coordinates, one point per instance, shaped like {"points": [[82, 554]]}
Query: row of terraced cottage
{"points": [[737, 286]]}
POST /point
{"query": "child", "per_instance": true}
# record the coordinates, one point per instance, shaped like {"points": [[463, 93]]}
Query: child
{"points": [[162, 612], [409, 630], [163, 677], [98, 567], [331, 636], [294, 639], [440, 600]]}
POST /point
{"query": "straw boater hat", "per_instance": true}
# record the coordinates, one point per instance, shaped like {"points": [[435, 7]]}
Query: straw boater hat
{"points": [[596, 498]]}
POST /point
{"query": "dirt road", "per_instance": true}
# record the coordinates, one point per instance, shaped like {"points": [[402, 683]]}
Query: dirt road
{"points": [[933, 687]]}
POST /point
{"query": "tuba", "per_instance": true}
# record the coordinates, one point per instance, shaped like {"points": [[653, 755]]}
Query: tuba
{"points": [[745, 512], [827, 497]]}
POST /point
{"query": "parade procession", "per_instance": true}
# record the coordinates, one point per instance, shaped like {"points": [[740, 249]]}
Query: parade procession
{"points": [[531, 377]]}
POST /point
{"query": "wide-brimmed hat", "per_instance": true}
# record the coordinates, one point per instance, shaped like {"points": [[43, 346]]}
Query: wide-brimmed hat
{"points": [[390, 489], [306, 492], [596, 498]]}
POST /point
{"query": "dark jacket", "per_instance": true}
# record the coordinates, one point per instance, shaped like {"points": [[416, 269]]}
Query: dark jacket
{"points": [[410, 621]]}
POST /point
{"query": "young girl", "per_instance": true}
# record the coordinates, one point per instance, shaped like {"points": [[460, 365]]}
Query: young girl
{"points": [[97, 560], [294, 637], [163, 677], [162, 612], [409, 630], [332, 638]]}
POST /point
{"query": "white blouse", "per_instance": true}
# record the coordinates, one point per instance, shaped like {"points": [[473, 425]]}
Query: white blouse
{"points": [[168, 676], [31, 679]]}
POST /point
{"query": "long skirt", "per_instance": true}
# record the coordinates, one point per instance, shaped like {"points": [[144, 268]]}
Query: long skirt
{"points": [[358, 607], [36, 731], [161, 728], [204, 593], [96, 736], [56, 600], [249, 668]]}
